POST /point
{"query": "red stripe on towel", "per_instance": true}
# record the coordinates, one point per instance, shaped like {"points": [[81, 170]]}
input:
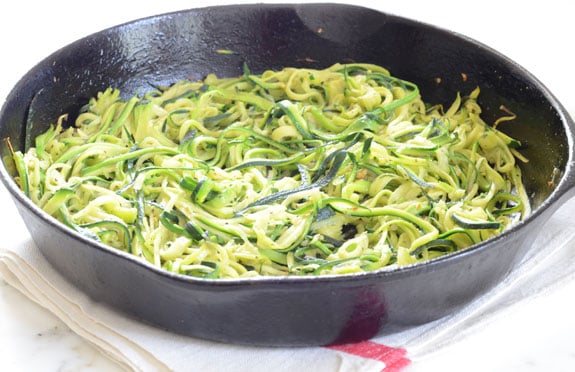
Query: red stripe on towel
{"points": [[394, 358]]}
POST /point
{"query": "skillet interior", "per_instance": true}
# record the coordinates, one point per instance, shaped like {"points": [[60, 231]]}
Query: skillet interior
{"points": [[163, 49]]}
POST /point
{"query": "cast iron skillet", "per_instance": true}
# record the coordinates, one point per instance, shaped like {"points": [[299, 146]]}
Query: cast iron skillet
{"points": [[290, 311]]}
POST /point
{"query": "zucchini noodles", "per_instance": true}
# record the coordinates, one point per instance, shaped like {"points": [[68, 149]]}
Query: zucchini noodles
{"points": [[290, 172]]}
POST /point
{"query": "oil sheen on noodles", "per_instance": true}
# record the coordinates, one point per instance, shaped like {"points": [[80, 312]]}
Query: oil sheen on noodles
{"points": [[291, 172]]}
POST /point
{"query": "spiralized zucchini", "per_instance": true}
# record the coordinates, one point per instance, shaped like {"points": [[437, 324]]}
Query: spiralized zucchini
{"points": [[291, 172]]}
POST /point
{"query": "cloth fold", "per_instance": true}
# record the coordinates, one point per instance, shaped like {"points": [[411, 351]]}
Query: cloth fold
{"points": [[141, 347]]}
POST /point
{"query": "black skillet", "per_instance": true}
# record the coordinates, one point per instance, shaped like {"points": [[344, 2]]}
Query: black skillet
{"points": [[290, 311]]}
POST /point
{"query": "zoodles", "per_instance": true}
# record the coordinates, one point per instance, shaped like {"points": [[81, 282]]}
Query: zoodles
{"points": [[290, 172]]}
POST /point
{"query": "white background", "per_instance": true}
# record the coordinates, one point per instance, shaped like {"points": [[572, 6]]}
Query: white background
{"points": [[538, 35]]}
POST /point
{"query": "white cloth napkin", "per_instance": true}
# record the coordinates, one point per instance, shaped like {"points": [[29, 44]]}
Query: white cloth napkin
{"points": [[141, 347]]}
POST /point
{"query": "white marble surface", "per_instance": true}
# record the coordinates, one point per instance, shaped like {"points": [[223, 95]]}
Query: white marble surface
{"points": [[32, 339], [538, 35]]}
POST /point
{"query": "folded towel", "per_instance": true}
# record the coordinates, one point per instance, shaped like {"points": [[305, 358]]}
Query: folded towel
{"points": [[142, 347]]}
